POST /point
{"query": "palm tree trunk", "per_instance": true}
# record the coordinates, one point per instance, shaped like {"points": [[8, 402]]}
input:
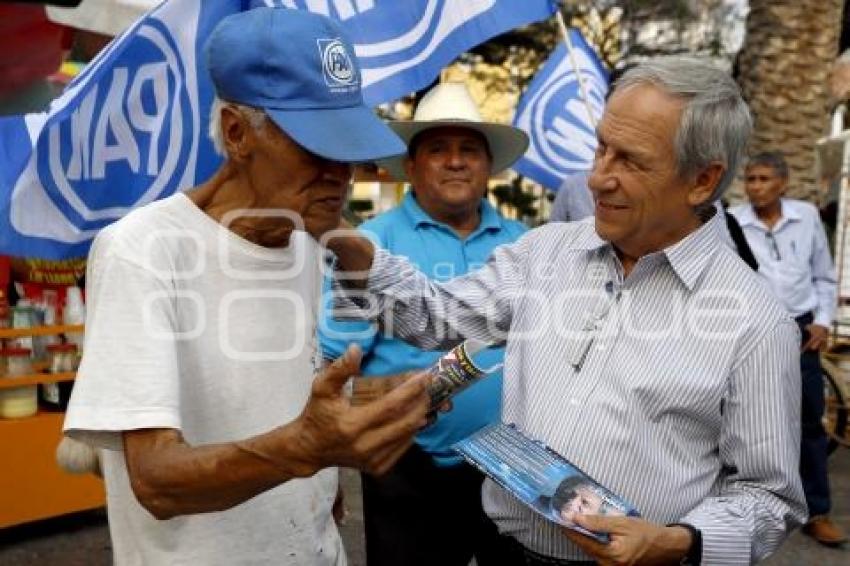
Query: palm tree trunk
{"points": [[783, 66]]}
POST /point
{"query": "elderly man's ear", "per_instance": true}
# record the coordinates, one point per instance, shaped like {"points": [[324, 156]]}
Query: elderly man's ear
{"points": [[705, 183], [237, 134]]}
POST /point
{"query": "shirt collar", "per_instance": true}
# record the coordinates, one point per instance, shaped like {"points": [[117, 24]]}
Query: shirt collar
{"points": [[789, 213], [688, 257], [588, 239], [490, 219]]}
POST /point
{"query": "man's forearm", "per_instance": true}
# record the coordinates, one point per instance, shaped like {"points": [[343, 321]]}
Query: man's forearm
{"points": [[169, 477], [354, 254], [182, 479]]}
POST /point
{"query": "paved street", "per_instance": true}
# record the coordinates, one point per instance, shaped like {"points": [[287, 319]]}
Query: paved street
{"points": [[83, 540]]}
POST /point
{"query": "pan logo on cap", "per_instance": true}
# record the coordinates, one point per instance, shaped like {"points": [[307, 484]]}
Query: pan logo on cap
{"points": [[337, 66]]}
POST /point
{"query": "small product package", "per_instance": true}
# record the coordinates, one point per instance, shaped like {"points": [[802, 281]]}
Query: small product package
{"points": [[456, 370], [541, 478]]}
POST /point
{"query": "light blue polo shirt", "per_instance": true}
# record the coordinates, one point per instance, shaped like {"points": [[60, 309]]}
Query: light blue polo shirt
{"points": [[438, 252]]}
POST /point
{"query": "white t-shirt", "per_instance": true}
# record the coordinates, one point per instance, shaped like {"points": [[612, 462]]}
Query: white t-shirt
{"points": [[194, 328]]}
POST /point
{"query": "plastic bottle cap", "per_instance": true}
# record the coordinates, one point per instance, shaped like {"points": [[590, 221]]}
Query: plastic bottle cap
{"points": [[473, 346], [61, 347], [15, 352]]}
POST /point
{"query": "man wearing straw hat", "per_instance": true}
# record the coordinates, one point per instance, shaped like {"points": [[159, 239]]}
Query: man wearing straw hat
{"points": [[447, 227]]}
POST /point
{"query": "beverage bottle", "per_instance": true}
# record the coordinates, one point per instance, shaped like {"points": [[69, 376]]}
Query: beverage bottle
{"points": [[17, 402], [23, 317], [54, 396], [74, 313], [456, 370]]}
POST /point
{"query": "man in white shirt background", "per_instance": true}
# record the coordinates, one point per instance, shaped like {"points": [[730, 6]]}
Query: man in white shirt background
{"points": [[789, 242]]}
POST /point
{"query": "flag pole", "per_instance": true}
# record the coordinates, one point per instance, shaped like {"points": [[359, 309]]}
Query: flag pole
{"points": [[582, 89]]}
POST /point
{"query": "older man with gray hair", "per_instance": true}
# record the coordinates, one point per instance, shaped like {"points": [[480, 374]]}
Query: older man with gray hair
{"points": [[639, 346]]}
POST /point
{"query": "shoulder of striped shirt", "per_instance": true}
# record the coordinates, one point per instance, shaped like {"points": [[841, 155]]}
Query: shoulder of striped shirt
{"points": [[767, 314], [562, 233]]}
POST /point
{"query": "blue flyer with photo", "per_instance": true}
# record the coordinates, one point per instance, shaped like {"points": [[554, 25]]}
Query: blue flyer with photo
{"points": [[540, 477]]}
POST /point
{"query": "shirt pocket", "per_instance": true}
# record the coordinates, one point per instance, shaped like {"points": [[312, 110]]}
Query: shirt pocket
{"points": [[792, 282]]}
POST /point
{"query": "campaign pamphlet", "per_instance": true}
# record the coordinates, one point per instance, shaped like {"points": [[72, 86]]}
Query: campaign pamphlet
{"points": [[540, 477]]}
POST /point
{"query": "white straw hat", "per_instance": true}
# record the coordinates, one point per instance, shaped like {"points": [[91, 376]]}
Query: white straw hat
{"points": [[450, 104]]}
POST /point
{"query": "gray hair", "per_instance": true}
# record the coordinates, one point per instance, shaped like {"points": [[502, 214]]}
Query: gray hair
{"points": [[256, 117], [715, 123], [772, 159]]}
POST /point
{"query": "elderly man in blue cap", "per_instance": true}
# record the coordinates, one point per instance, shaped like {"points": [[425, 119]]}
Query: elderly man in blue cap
{"points": [[219, 445]]}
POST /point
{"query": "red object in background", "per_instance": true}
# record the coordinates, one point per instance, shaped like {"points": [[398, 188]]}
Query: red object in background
{"points": [[5, 277], [5, 271], [30, 46]]}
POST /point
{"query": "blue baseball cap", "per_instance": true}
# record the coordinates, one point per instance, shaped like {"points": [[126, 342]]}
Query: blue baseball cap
{"points": [[300, 68]]}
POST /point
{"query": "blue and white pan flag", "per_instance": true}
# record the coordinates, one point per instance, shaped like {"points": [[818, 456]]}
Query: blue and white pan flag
{"points": [[555, 117], [131, 128], [127, 131], [402, 45]]}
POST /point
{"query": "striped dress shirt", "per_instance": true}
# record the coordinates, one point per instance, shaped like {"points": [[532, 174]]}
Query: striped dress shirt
{"points": [[677, 387]]}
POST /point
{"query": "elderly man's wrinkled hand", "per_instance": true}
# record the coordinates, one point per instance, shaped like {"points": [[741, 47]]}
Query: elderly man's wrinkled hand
{"points": [[371, 437], [632, 541], [367, 389]]}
